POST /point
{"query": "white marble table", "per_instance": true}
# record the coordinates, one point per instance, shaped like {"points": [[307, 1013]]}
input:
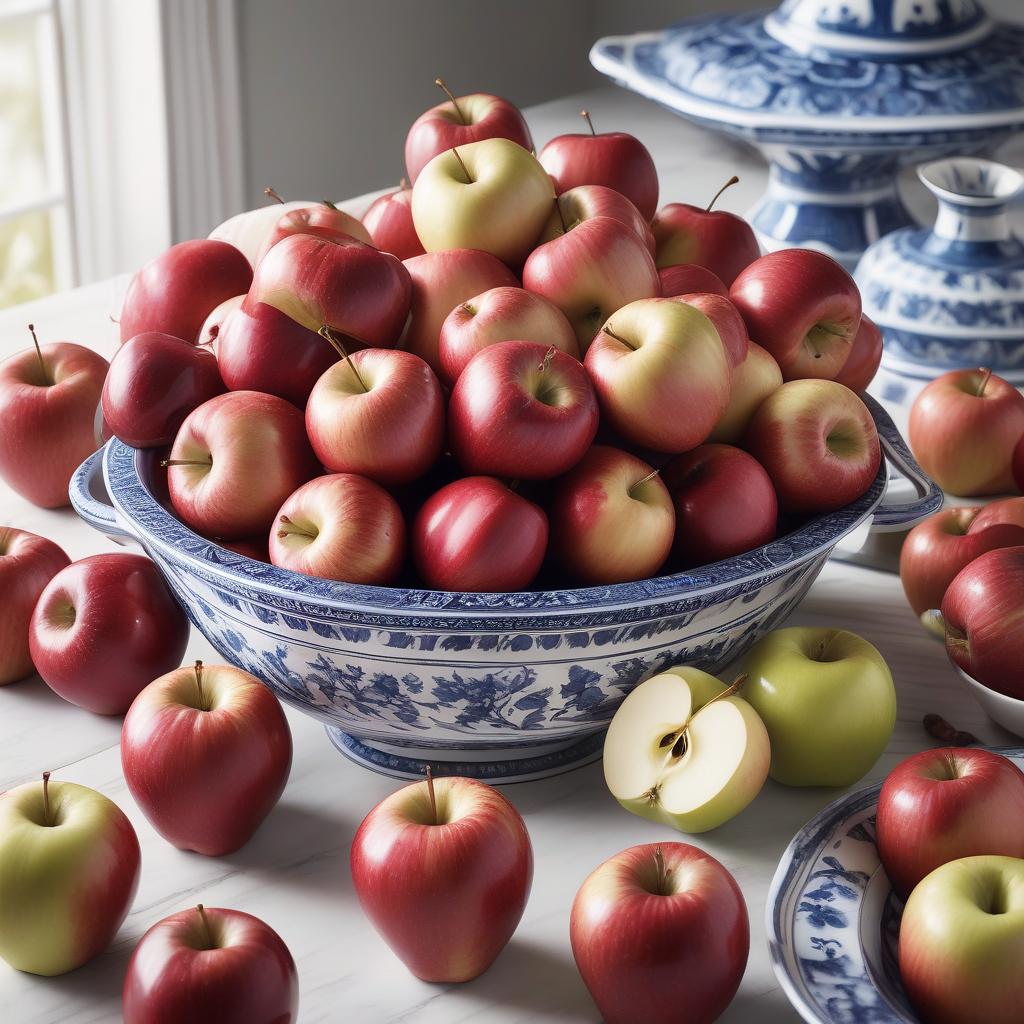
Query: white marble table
{"points": [[294, 873]]}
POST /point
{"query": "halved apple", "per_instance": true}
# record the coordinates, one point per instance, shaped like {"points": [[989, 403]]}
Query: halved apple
{"points": [[684, 749]]}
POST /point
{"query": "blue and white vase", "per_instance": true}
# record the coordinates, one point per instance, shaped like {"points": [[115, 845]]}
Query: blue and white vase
{"points": [[952, 295], [837, 95]]}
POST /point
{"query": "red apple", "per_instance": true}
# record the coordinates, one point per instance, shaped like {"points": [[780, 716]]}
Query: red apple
{"points": [[247, 231], [477, 534], [940, 805], [49, 397], [103, 628], [1017, 464], [209, 965], [964, 427], [727, 320], [818, 442], [611, 519], [389, 222], [250, 547], [27, 564], [864, 359], [937, 549], [322, 219], [753, 381], [521, 410], [340, 527], [803, 307], [443, 870], [587, 201], [660, 934], [594, 269], [440, 282], [234, 461], [496, 315], [174, 293], [379, 413], [457, 122], [653, 359], [714, 239], [616, 160], [206, 753], [724, 502], [153, 383], [687, 278], [984, 626], [345, 285]]}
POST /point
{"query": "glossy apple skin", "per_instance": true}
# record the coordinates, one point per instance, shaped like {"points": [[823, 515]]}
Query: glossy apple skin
{"points": [[175, 975], [803, 307], [586, 201], [658, 958], [213, 324], [608, 523], [153, 383], [206, 763], [440, 128], [653, 358], [389, 222], [27, 563], [322, 220], [753, 380], [66, 886], [937, 549], [357, 527], [616, 160], [717, 240], [440, 281], [393, 432], [864, 359], [500, 314], [963, 441], [445, 897], [175, 292], [523, 411], [984, 627], [103, 628], [259, 348], [727, 320], [943, 804], [247, 231], [476, 534], [49, 429], [724, 502], [959, 956], [259, 452], [687, 278], [818, 442], [590, 272], [345, 284]]}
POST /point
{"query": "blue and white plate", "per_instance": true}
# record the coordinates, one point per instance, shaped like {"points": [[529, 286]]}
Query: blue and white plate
{"points": [[833, 920]]}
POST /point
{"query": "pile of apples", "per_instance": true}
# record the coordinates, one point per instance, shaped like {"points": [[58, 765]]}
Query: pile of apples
{"points": [[517, 362]]}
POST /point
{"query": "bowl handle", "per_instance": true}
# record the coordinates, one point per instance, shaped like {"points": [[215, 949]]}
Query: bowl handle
{"points": [[892, 516], [88, 494]]}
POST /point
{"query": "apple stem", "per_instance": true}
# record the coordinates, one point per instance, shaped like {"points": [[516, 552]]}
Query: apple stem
{"points": [[185, 462], [440, 83], [39, 355], [458, 156], [714, 199], [271, 193], [328, 204], [334, 337], [431, 794], [607, 329], [986, 376], [545, 364], [664, 873], [561, 216], [294, 530], [46, 798], [650, 476], [403, 184], [199, 684], [210, 944], [585, 114]]}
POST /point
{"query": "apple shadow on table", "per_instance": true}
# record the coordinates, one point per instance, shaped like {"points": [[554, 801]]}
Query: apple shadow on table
{"points": [[97, 984]]}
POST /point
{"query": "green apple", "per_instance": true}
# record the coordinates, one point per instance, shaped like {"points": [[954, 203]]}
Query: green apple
{"points": [[685, 750], [962, 942], [490, 195], [827, 700], [69, 867]]}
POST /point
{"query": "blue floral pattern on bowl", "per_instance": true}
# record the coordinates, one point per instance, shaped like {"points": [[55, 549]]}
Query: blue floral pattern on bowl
{"points": [[505, 686]]}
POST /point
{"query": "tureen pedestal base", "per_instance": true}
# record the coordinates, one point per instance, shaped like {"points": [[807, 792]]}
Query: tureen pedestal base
{"points": [[517, 764]]}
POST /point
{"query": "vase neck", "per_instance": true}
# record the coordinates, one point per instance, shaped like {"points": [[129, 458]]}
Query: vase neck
{"points": [[971, 224]]}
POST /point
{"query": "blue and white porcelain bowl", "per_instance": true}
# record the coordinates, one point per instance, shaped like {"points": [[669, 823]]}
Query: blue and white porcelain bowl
{"points": [[833, 920], [504, 687]]}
